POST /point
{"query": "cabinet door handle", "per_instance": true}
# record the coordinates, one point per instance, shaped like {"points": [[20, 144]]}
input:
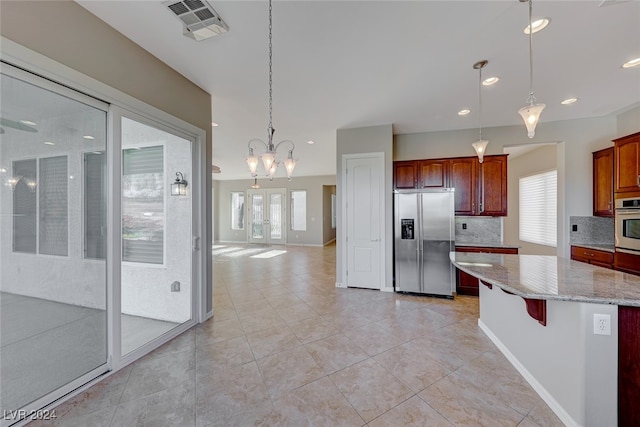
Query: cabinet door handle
{"points": [[638, 180]]}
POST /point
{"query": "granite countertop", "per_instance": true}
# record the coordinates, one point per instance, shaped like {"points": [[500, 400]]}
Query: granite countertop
{"points": [[486, 245], [551, 278], [596, 246]]}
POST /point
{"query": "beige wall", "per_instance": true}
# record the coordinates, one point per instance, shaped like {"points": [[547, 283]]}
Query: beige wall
{"points": [[328, 232], [67, 33], [373, 139], [312, 184], [539, 160]]}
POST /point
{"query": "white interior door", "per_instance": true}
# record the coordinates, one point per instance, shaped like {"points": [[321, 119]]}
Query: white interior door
{"points": [[267, 218], [364, 222]]}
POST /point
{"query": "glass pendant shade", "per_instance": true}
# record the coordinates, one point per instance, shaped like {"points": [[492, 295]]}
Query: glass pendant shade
{"points": [[531, 114], [268, 158], [480, 146], [252, 161], [289, 164], [273, 169]]}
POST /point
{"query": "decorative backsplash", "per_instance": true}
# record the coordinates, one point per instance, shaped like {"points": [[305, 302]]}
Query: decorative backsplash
{"points": [[479, 229], [592, 230]]}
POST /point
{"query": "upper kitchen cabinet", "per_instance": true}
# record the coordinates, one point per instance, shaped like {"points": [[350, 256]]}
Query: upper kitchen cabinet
{"points": [[627, 160], [492, 186], [463, 176], [603, 182], [405, 174], [433, 173], [481, 188]]}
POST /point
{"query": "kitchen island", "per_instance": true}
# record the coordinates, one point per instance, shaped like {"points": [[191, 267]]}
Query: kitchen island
{"points": [[543, 313]]}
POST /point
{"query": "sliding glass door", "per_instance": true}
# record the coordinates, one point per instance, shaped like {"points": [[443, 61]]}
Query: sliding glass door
{"points": [[156, 270], [53, 272]]}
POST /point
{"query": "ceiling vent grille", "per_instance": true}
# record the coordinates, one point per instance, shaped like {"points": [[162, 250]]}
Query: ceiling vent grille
{"points": [[199, 19]]}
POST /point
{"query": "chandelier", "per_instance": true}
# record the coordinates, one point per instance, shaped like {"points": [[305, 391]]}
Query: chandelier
{"points": [[531, 112], [269, 160]]}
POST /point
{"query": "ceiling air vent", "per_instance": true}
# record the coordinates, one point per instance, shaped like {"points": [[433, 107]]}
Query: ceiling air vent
{"points": [[200, 20]]}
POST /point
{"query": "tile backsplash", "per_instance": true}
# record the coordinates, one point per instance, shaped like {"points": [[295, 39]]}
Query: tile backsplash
{"points": [[478, 229], [591, 230]]}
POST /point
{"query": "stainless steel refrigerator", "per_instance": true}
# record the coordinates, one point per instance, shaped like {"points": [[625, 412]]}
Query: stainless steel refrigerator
{"points": [[424, 234]]}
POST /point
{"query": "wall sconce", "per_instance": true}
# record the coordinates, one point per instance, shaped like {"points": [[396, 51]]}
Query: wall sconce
{"points": [[179, 186]]}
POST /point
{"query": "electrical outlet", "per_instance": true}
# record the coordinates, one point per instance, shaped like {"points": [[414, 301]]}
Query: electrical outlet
{"points": [[175, 286], [602, 324], [464, 225], [574, 227]]}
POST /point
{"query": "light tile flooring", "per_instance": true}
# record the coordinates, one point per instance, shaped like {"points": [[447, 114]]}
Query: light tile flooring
{"points": [[286, 348]]}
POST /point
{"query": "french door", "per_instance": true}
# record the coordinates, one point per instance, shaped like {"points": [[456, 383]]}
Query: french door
{"points": [[267, 218]]}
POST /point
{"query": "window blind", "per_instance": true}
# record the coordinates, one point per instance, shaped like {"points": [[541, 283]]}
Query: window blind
{"points": [[538, 208], [95, 205], [299, 210], [143, 205], [53, 206]]}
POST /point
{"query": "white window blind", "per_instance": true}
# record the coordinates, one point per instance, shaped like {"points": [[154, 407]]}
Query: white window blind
{"points": [[95, 205], [538, 208], [143, 205]]}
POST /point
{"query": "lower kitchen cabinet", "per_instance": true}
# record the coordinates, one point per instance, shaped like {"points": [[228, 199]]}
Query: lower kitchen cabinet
{"points": [[592, 256], [467, 284], [628, 263]]}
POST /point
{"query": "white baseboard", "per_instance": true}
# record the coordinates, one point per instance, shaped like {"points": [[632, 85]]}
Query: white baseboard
{"points": [[387, 289], [340, 285], [539, 388], [305, 244]]}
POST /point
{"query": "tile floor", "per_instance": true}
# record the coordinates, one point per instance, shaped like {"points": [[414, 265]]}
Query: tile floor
{"points": [[286, 348]]}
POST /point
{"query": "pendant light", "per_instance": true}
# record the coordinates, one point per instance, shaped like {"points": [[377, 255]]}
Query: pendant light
{"points": [[481, 144], [531, 112], [269, 161]]}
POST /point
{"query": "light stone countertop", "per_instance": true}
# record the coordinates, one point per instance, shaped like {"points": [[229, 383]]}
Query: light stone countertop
{"points": [[551, 278]]}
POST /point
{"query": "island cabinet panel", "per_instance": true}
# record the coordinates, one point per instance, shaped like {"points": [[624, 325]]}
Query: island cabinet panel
{"points": [[628, 366], [433, 173], [466, 284], [463, 176], [592, 256], [603, 182], [493, 186], [405, 174], [627, 161]]}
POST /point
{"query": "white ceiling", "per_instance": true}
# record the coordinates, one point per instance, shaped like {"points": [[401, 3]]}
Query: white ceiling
{"points": [[343, 64]]}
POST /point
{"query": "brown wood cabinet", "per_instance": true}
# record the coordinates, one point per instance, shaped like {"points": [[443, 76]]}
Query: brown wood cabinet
{"points": [[433, 173], [627, 161], [603, 162], [481, 188], [629, 263], [463, 176], [467, 284], [628, 366], [405, 174], [492, 182], [592, 256]]}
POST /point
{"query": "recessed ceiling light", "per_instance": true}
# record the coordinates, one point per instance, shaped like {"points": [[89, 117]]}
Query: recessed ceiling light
{"points": [[538, 25], [310, 142], [27, 122], [632, 63], [490, 81], [463, 112], [214, 124], [49, 143], [88, 137], [568, 101]]}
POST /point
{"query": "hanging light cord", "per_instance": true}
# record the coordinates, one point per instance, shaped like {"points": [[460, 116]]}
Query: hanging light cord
{"points": [[271, 130], [532, 98], [480, 101]]}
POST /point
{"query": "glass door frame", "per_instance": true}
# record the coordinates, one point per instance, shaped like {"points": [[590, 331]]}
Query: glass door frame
{"points": [[115, 250], [41, 69], [266, 197]]}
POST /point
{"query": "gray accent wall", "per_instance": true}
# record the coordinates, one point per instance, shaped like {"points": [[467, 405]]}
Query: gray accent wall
{"points": [[314, 185]]}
